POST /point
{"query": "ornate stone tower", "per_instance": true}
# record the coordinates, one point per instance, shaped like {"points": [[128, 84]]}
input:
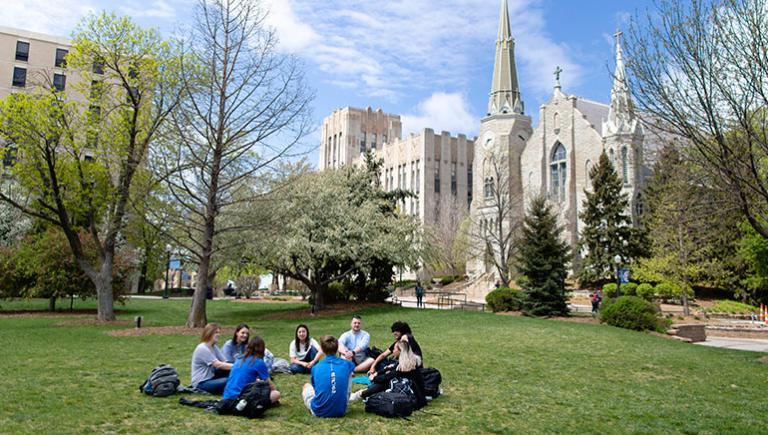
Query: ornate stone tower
{"points": [[623, 134], [502, 138]]}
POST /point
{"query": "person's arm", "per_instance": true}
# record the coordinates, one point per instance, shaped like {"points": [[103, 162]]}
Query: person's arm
{"points": [[221, 365], [318, 356], [364, 342], [342, 348], [378, 359]]}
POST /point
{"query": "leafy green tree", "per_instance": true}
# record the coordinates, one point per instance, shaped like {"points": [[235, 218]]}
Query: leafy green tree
{"points": [[79, 165], [543, 262], [608, 227], [14, 224], [331, 230], [753, 249]]}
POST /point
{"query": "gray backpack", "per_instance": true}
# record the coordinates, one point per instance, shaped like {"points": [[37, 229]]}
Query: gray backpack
{"points": [[163, 381]]}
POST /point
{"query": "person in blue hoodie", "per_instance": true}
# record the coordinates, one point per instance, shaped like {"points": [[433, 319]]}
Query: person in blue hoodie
{"points": [[327, 393]]}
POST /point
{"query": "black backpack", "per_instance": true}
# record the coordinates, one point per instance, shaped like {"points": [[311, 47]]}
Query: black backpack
{"points": [[432, 380], [163, 381], [390, 404], [256, 397]]}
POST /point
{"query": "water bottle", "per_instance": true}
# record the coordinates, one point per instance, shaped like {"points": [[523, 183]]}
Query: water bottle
{"points": [[241, 404]]}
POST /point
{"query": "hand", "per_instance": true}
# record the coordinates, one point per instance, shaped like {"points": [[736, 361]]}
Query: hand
{"points": [[310, 364]]}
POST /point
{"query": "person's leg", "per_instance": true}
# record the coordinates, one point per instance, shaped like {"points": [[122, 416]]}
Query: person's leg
{"points": [[364, 366], [297, 369], [373, 389], [213, 386], [274, 396], [311, 354], [307, 394]]}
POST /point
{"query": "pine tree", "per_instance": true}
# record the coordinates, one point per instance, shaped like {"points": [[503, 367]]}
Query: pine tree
{"points": [[607, 228], [542, 260]]}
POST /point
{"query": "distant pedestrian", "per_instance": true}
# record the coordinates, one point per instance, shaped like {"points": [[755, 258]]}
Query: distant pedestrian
{"points": [[419, 295], [497, 284], [596, 298]]}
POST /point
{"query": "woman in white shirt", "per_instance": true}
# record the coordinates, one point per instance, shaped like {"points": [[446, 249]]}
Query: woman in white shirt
{"points": [[304, 351]]}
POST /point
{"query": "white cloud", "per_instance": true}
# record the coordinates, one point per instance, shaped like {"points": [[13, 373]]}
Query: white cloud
{"points": [[52, 17], [442, 111], [156, 9], [293, 34]]}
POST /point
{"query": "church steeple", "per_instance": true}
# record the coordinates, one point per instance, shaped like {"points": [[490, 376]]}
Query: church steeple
{"points": [[621, 114], [505, 92]]}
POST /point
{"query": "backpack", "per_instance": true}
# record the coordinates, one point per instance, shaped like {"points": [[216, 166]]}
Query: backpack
{"points": [[162, 382], [390, 404], [432, 380], [256, 397]]}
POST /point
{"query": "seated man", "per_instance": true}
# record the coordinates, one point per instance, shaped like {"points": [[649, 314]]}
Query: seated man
{"points": [[400, 331], [353, 346], [330, 382]]}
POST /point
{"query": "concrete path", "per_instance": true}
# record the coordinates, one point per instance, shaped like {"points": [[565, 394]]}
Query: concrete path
{"points": [[754, 345]]}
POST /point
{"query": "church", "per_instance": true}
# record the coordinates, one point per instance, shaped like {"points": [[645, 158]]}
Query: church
{"points": [[518, 161]]}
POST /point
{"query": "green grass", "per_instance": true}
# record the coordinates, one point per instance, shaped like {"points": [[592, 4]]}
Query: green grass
{"points": [[731, 307], [501, 374]]}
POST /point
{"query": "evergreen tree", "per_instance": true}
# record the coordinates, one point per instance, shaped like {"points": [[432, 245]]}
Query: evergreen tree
{"points": [[608, 227], [543, 258]]}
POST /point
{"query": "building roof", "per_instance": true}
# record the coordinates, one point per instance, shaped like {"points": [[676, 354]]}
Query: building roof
{"points": [[595, 112]]}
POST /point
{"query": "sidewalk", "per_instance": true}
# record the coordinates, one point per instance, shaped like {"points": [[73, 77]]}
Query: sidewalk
{"points": [[750, 344]]}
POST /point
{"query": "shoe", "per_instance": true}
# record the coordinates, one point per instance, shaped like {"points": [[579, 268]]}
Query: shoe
{"points": [[357, 395]]}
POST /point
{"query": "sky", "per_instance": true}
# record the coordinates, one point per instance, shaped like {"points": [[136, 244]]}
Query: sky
{"points": [[429, 61]]}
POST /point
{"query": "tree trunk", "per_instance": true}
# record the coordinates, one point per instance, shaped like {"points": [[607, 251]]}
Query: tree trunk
{"points": [[197, 317], [143, 275], [52, 303], [318, 303], [105, 296]]}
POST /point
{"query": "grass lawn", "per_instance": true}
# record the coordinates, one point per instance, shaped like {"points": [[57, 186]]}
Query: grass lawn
{"points": [[501, 374]]}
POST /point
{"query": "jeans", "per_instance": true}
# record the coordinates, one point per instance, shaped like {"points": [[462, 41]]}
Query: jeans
{"points": [[299, 369], [216, 384]]}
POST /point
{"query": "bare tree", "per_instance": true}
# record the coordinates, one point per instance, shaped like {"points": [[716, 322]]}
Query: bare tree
{"points": [[699, 67], [498, 218], [445, 242], [244, 107]]}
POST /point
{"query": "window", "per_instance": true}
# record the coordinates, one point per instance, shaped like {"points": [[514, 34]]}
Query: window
{"points": [[384, 139], [362, 144], [624, 165], [19, 77], [61, 55], [22, 51], [639, 205], [98, 65], [59, 82], [373, 141], [454, 188], [558, 174], [612, 157], [469, 186], [488, 188], [418, 177], [437, 177]]}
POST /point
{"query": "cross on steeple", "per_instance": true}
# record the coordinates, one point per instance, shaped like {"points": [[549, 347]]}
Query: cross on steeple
{"points": [[558, 70], [618, 36]]}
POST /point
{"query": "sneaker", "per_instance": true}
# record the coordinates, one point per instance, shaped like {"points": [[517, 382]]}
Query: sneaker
{"points": [[357, 395]]}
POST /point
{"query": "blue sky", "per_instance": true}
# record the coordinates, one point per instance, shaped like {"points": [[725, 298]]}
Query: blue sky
{"points": [[429, 61]]}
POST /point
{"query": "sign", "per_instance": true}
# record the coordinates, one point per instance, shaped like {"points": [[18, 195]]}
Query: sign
{"points": [[174, 264], [624, 276]]}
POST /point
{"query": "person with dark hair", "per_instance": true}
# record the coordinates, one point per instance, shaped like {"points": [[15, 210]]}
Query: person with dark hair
{"points": [[209, 367], [304, 351], [400, 331], [235, 347], [353, 345], [405, 366], [327, 393], [247, 368], [419, 295]]}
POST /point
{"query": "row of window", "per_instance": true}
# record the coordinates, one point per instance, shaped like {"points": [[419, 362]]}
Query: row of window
{"points": [[22, 54], [19, 79]]}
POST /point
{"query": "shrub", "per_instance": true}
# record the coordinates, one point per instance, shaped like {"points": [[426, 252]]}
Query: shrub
{"points": [[609, 290], [336, 292], [667, 290], [645, 291], [447, 279], [629, 289], [631, 312], [504, 299], [731, 307]]}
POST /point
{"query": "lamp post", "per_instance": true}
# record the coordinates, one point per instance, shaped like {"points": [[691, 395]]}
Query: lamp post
{"points": [[167, 269], [617, 260]]}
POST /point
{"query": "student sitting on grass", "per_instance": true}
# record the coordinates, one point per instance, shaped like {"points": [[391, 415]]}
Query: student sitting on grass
{"points": [[247, 368], [304, 351], [405, 367], [400, 331], [209, 367], [353, 345], [235, 346], [328, 391]]}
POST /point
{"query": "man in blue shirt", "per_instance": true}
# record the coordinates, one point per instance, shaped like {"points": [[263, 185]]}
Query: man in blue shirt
{"points": [[328, 393], [353, 345]]}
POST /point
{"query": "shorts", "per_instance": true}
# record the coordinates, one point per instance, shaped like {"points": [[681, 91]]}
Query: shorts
{"points": [[307, 394], [360, 357]]}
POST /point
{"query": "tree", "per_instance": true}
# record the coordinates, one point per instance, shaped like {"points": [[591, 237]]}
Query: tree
{"points": [[700, 71], [331, 231], [244, 106], [607, 230], [496, 224], [445, 240], [14, 224], [543, 261], [693, 233], [78, 163]]}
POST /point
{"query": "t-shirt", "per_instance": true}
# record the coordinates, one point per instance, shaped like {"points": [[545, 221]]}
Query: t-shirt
{"points": [[242, 374], [202, 362], [331, 379], [303, 349], [352, 340], [232, 351]]}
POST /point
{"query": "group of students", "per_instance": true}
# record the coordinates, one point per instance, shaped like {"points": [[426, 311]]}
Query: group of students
{"points": [[330, 362]]}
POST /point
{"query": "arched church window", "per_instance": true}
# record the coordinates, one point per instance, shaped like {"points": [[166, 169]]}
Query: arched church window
{"points": [[556, 122], [588, 170], [488, 188], [612, 157], [557, 173], [639, 204], [624, 165]]}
